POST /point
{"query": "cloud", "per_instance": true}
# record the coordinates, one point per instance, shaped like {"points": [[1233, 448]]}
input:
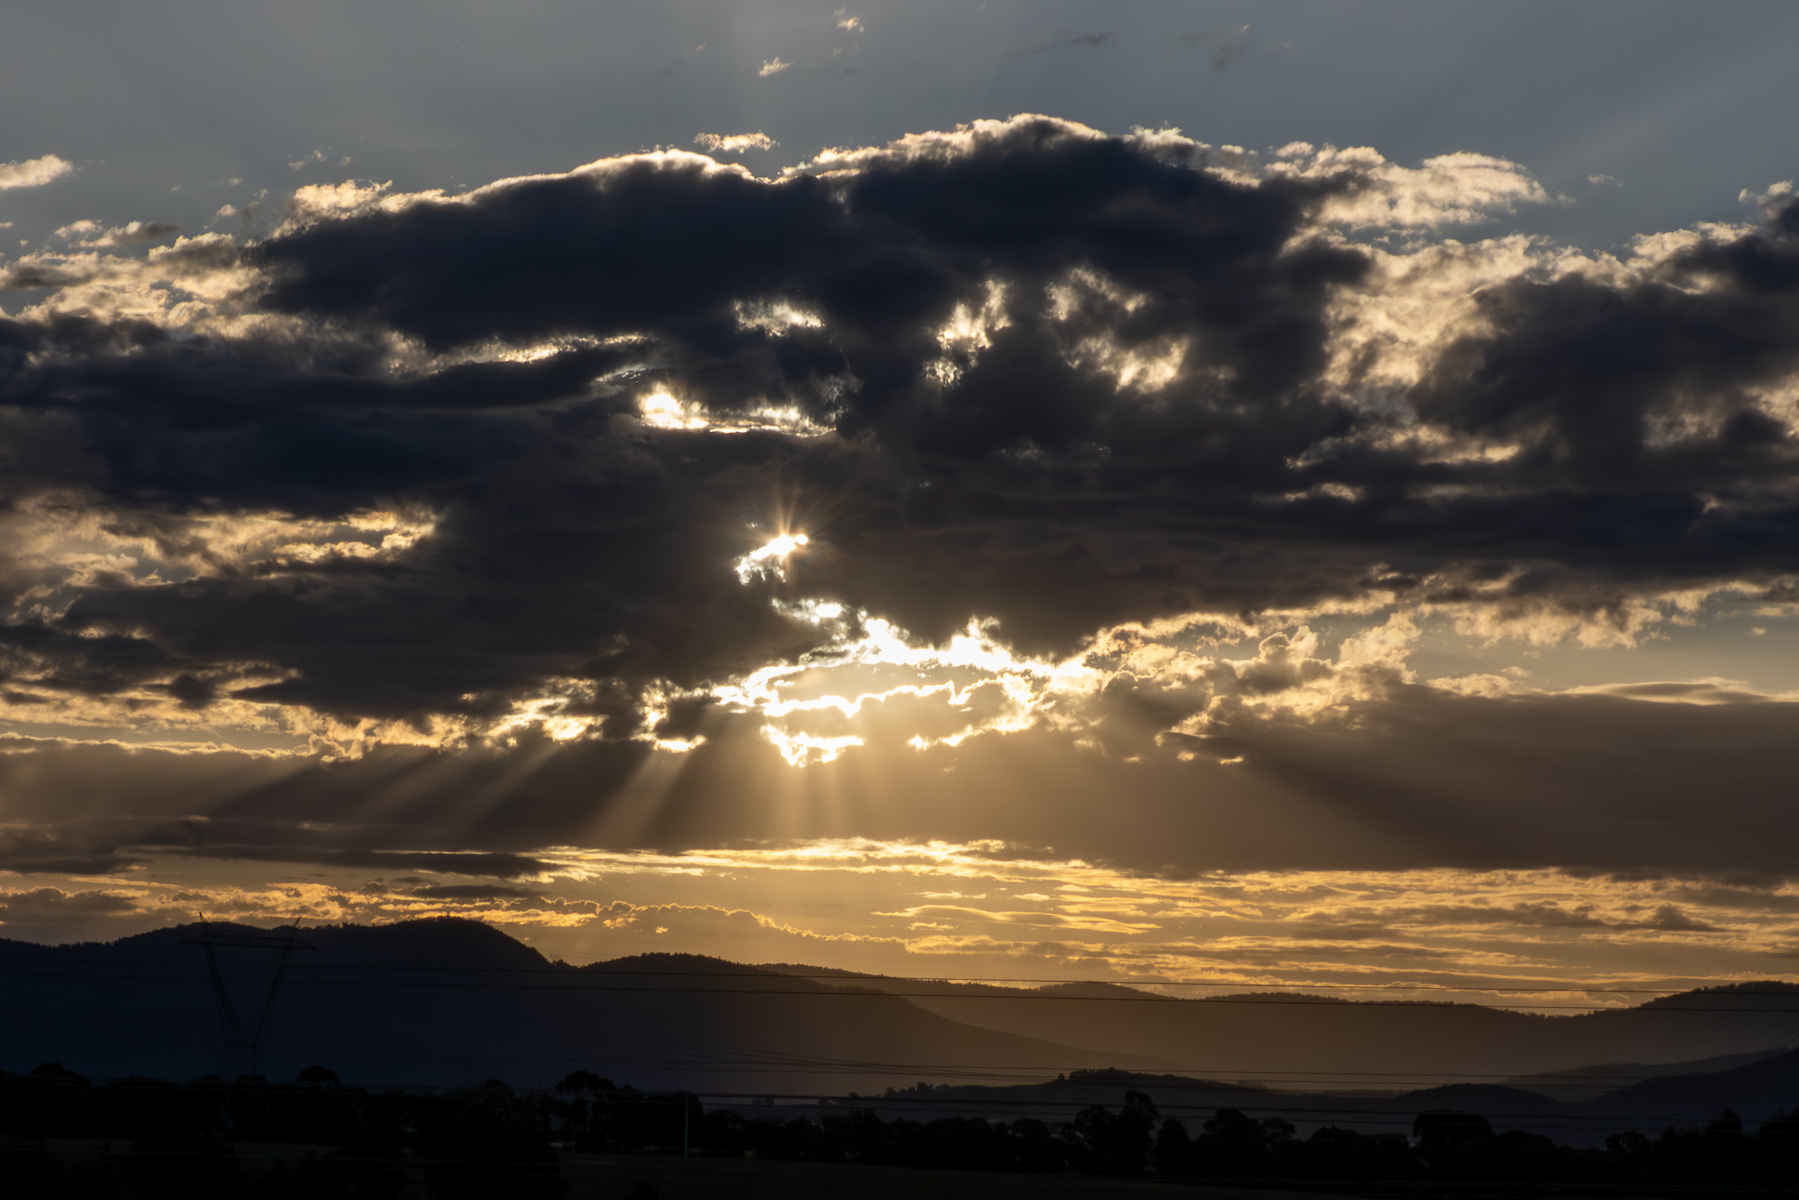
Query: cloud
{"points": [[313, 159], [1416, 779], [54, 903], [473, 892], [33, 172], [89, 235], [1099, 443], [58, 850], [1666, 918], [504, 866], [1047, 920], [734, 143], [1448, 189], [773, 66]]}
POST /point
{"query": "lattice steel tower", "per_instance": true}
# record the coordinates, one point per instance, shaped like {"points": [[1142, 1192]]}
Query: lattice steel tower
{"points": [[243, 1031]]}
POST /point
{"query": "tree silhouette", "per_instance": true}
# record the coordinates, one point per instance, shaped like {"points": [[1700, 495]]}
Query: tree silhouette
{"points": [[1115, 1143]]}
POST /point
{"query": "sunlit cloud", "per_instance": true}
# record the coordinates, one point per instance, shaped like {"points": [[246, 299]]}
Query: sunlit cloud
{"points": [[981, 686], [802, 748], [663, 410], [548, 712], [976, 659], [33, 172], [967, 333], [734, 143]]}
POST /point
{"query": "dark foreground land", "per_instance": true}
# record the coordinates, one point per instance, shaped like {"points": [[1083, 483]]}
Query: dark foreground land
{"points": [[605, 1177], [114, 1170], [72, 1138], [426, 1007]]}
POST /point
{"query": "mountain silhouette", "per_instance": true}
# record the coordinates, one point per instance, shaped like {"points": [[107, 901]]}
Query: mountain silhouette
{"points": [[449, 1001], [1315, 1041]]}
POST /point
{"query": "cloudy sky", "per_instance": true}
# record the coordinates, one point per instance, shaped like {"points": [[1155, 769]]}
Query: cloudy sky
{"points": [[1259, 493]]}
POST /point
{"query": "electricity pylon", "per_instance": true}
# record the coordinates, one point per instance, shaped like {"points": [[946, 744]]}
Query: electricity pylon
{"points": [[243, 1039]]}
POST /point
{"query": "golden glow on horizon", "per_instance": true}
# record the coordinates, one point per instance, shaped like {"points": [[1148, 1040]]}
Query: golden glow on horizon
{"points": [[952, 910]]}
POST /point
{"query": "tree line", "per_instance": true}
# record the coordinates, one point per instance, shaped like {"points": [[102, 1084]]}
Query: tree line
{"points": [[64, 1135]]}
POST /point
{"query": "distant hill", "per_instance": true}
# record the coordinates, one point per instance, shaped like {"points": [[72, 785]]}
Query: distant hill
{"points": [[1313, 1042], [1584, 1083], [453, 1001], [1756, 1092]]}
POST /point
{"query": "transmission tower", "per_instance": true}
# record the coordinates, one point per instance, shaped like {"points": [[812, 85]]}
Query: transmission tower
{"points": [[243, 1031]]}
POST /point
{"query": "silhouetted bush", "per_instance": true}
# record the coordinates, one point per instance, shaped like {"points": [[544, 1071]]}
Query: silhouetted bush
{"points": [[484, 1143], [491, 1142], [1114, 1144]]}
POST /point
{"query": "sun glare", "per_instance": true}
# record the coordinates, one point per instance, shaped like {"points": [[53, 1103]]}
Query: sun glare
{"points": [[663, 411], [770, 559]]}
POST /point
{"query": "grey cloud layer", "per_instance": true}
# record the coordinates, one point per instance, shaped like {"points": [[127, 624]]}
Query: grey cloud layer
{"points": [[972, 321], [1031, 486]]}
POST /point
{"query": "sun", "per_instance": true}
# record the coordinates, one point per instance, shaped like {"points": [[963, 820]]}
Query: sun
{"points": [[770, 558]]}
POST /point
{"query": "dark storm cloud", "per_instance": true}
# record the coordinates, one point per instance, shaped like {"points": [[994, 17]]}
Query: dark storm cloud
{"points": [[1581, 373], [560, 544], [93, 665], [567, 545], [1009, 475], [1033, 488]]}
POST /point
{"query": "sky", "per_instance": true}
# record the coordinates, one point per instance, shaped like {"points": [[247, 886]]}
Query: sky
{"points": [[1248, 494]]}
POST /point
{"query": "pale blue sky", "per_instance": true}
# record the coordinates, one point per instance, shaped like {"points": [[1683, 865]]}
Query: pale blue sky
{"points": [[1682, 105]]}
